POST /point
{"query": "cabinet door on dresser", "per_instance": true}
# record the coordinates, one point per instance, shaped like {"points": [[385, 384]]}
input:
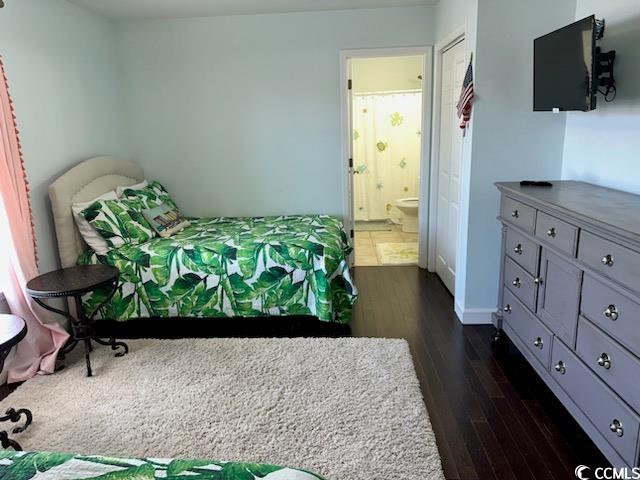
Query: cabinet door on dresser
{"points": [[559, 296]]}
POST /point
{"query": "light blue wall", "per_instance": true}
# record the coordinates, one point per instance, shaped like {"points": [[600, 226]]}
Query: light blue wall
{"points": [[61, 62], [603, 146], [510, 141], [240, 115]]}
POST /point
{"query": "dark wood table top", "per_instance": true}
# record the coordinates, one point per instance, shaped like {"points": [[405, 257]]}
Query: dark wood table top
{"points": [[71, 281], [12, 330]]}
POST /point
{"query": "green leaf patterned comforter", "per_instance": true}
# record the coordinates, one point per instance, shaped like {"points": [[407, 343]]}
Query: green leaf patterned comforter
{"points": [[62, 466], [288, 265]]}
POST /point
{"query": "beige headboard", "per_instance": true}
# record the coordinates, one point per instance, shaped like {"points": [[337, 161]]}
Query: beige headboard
{"points": [[84, 182]]}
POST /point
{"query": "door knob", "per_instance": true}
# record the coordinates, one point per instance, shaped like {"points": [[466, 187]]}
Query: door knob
{"points": [[560, 367], [518, 249], [607, 260]]}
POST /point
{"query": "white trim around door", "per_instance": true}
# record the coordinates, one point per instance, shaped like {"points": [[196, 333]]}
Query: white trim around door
{"points": [[427, 116]]}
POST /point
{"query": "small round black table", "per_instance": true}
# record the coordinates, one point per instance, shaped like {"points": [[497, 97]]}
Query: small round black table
{"points": [[75, 282], [12, 330]]}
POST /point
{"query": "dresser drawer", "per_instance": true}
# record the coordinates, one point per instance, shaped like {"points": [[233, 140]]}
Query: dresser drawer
{"points": [[561, 235], [611, 362], [610, 259], [518, 214], [525, 252], [528, 328], [612, 311], [606, 411], [520, 283]]}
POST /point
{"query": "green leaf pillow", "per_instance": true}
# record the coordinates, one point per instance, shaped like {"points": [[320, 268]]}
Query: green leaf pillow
{"points": [[119, 222], [151, 196]]}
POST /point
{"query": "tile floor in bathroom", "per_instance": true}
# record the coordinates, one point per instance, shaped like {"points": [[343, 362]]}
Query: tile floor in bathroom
{"points": [[365, 244]]}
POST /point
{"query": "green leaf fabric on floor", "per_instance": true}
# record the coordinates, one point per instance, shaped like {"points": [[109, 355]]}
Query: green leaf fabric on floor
{"points": [[225, 267], [28, 465]]}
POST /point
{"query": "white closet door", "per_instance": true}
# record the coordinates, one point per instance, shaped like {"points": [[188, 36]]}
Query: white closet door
{"points": [[449, 164]]}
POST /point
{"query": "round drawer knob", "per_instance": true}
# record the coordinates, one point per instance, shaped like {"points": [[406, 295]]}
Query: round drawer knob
{"points": [[515, 214], [507, 308], [537, 280], [604, 361], [607, 260], [551, 232], [560, 367], [616, 427], [516, 282], [538, 343], [611, 312], [518, 249]]}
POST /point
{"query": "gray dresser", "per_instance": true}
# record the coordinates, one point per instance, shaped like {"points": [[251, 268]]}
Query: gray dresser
{"points": [[570, 302]]}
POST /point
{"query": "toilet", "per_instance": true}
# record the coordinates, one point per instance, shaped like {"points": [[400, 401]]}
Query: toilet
{"points": [[409, 209]]}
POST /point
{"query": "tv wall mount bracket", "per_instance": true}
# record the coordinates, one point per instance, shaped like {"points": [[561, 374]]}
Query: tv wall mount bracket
{"points": [[605, 83]]}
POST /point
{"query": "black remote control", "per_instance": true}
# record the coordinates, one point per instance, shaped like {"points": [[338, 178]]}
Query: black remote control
{"points": [[533, 183]]}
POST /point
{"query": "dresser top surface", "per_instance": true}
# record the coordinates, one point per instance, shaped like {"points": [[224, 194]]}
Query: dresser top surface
{"points": [[591, 203]]}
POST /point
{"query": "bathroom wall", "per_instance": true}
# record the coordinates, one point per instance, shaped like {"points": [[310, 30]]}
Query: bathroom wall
{"points": [[386, 73]]}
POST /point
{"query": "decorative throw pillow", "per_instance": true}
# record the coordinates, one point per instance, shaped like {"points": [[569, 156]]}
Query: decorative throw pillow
{"points": [[119, 222], [138, 186], [165, 219], [151, 195], [88, 233]]}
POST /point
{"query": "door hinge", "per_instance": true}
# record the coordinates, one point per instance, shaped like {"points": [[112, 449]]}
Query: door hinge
{"points": [[351, 163], [349, 84]]}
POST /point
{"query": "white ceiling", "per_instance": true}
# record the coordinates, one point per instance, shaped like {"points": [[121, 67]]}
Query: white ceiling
{"points": [[208, 8]]}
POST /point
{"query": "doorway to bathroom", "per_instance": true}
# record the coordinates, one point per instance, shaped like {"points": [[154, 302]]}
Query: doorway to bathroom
{"points": [[386, 109]]}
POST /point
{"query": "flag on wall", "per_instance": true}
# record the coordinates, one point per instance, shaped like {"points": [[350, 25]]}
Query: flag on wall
{"points": [[466, 97]]}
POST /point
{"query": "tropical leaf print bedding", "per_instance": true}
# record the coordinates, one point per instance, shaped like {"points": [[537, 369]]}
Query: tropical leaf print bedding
{"points": [[35, 465], [288, 265]]}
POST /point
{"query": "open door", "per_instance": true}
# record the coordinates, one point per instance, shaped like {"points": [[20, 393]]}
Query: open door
{"points": [[350, 223]]}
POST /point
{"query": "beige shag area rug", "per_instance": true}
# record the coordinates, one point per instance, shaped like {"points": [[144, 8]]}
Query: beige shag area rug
{"points": [[346, 408], [397, 253]]}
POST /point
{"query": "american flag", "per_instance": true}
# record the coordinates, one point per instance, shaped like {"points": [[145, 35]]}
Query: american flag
{"points": [[466, 97]]}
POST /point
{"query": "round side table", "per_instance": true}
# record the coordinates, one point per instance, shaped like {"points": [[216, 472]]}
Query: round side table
{"points": [[12, 330], [74, 282]]}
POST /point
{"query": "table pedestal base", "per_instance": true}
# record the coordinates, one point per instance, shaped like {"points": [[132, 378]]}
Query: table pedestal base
{"points": [[88, 348], [83, 330], [13, 415]]}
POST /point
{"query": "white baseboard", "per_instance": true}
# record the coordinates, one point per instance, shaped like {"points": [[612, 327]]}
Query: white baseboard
{"points": [[475, 316]]}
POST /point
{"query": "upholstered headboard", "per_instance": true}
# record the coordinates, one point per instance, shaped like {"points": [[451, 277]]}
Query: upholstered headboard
{"points": [[84, 182]]}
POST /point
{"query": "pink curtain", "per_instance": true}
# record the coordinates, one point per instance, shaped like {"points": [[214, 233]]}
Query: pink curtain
{"points": [[37, 352]]}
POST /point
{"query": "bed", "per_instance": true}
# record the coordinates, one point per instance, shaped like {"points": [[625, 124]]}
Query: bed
{"points": [[32, 465], [216, 267]]}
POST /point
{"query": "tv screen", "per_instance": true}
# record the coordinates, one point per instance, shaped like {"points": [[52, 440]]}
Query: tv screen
{"points": [[563, 68]]}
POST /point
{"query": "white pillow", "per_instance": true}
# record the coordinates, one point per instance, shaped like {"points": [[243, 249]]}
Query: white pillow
{"points": [[138, 186], [90, 234]]}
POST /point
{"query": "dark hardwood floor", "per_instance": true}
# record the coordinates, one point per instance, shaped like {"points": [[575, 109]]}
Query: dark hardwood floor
{"points": [[492, 415]]}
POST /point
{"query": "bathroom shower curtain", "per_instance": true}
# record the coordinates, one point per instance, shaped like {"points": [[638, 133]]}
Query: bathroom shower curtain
{"points": [[386, 152]]}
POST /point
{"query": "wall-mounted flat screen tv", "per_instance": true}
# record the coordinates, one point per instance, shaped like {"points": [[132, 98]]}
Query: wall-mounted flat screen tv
{"points": [[564, 68]]}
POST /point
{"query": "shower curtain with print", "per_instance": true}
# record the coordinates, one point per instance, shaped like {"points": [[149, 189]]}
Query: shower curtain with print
{"points": [[386, 152]]}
